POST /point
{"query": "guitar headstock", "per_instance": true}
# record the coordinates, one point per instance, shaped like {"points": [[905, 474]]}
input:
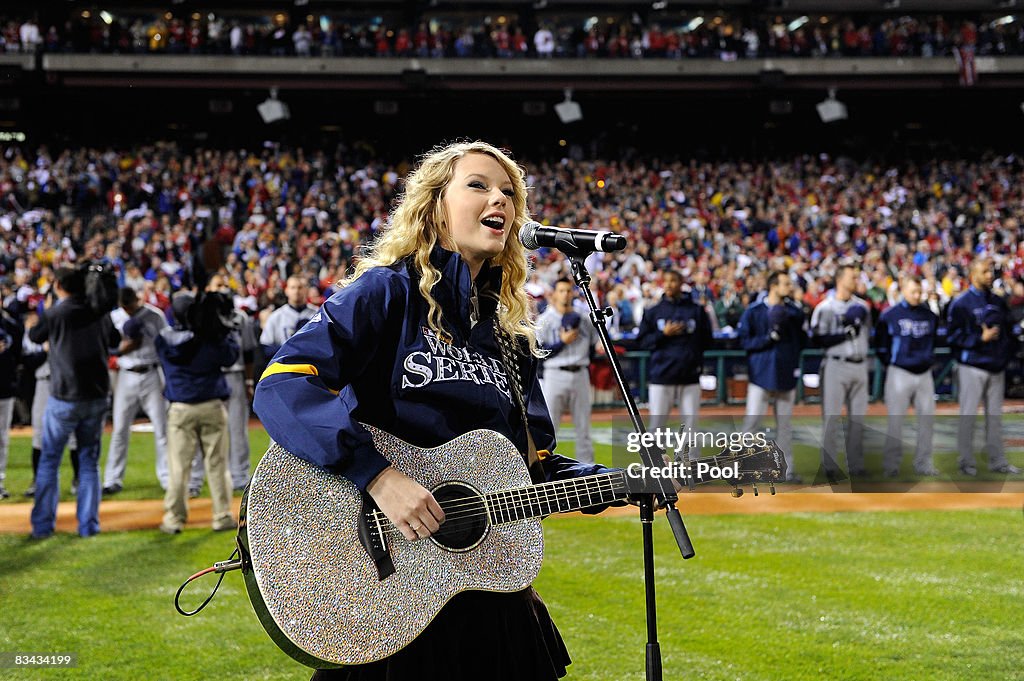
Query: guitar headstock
{"points": [[753, 465]]}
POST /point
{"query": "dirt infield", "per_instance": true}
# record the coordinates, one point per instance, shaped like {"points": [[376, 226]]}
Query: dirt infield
{"points": [[146, 514]]}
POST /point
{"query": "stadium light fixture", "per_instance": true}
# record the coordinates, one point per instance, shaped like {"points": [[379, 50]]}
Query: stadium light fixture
{"points": [[568, 111], [272, 109], [798, 22], [831, 110]]}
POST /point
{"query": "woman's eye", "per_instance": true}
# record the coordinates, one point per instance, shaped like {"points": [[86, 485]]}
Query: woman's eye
{"points": [[509, 193], [477, 185]]}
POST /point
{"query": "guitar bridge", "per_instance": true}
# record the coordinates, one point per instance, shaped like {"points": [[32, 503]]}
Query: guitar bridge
{"points": [[372, 536]]}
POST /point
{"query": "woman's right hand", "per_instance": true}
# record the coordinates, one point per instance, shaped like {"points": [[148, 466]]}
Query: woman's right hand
{"points": [[408, 505]]}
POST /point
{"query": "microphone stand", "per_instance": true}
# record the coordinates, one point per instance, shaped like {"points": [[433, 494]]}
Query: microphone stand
{"points": [[651, 458]]}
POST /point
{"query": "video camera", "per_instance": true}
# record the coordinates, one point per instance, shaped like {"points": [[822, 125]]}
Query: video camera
{"points": [[210, 315]]}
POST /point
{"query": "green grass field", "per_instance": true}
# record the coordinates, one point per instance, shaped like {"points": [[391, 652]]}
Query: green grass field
{"points": [[909, 595], [923, 595]]}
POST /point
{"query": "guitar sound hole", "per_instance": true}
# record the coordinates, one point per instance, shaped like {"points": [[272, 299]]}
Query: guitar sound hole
{"points": [[465, 519]]}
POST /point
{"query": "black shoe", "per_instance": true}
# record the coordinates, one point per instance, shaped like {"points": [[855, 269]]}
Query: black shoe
{"points": [[834, 477], [968, 469], [40, 536], [74, 487], [31, 491], [3, 492], [193, 492], [113, 489]]}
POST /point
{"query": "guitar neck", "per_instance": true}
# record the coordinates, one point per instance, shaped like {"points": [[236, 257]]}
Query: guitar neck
{"points": [[507, 506]]}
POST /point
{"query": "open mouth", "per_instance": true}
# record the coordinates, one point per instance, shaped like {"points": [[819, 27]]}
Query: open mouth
{"points": [[494, 223]]}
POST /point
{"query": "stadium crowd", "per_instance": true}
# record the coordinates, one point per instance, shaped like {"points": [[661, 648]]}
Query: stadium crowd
{"points": [[274, 229], [169, 218], [717, 35]]}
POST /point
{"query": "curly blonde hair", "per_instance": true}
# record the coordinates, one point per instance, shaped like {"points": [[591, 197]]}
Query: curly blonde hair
{"points": [[417, 224]]}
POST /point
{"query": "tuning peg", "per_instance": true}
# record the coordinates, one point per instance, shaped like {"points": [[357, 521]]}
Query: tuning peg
{"points": [[754, 485], [737, 492], [771, 486]]}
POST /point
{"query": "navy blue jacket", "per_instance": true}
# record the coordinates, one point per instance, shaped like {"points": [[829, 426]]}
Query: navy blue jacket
{"points": [[675, 360], [772, 365], [965, 315], [369, 356], [80, 343], [905, 337], [193, 367], [11, 331]]}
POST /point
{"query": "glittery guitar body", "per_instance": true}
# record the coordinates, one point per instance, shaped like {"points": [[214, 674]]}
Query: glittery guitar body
{"points": [[314, 582]]}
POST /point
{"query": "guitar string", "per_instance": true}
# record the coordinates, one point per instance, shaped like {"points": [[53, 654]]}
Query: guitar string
{"points": [[506, 512], [543, 492], [508, 503], [505, 499], [505, 505]]}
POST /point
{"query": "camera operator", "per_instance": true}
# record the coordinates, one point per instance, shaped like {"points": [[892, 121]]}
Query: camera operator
{"points": [[80, 340], [11, 332], [193, 354]]}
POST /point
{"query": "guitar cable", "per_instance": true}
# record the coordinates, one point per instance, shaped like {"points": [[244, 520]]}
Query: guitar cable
{"points": [[222, 568]]}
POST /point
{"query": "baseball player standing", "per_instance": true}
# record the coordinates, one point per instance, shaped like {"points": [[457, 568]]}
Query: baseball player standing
{"points": [[139, 384], [772, 332], [677, 331], [569, 337], [905, 342], [839, 324], [287, 319], [980, 335]]}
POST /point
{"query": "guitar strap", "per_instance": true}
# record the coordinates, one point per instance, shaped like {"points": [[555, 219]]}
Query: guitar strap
{"points": [[509, 357]]}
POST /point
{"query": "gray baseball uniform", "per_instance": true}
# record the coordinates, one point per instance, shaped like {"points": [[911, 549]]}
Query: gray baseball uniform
{"points": [[566, 382], [844, 380], [139, 384]]}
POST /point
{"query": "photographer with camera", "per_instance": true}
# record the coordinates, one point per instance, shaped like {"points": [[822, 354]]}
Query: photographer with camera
{"points": [[11, 332], [80, 337], [193, 354]]}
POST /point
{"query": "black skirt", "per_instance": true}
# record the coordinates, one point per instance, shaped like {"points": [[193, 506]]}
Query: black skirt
{"points": [[477, 635]]}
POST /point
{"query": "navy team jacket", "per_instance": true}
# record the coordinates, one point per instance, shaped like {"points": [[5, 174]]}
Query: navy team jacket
{"points": [[772, 366], [905, 337], [369, 356], [965, 316], [675, 360]]}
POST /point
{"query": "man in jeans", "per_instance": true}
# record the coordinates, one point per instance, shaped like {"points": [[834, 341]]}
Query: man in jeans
{"points": [[80, 340], [193, 354]]}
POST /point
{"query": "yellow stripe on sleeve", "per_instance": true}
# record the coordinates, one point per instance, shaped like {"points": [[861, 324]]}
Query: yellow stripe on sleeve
{"points": [[278, 368]]}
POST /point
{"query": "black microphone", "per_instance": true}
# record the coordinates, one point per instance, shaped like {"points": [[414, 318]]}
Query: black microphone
{"points": [[534, 235]]}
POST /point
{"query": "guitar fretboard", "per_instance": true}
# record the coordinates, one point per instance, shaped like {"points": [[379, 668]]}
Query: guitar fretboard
{"points": [[507, 506]]}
